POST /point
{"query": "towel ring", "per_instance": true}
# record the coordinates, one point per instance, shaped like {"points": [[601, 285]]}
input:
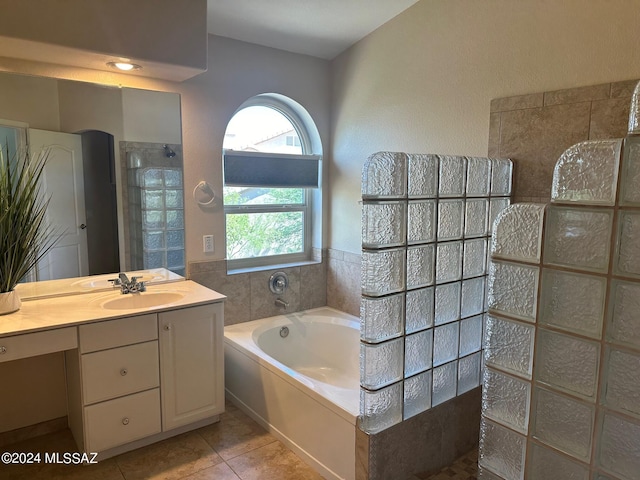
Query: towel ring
{"points": [[204, 187]]}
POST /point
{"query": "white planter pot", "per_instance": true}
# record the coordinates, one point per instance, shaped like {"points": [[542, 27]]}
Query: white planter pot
{"points": [[9, 302]]}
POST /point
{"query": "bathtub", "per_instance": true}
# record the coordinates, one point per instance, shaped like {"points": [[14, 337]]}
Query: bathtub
{"points": [[298, 376]]}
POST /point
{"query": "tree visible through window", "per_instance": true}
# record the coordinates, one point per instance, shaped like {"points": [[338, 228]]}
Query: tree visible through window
{"points": [[261, 221]]}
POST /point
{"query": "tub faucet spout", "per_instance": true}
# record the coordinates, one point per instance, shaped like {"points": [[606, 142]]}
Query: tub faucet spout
{"points": [[281, 303]]}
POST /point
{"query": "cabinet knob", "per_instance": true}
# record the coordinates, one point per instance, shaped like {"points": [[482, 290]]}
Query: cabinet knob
{"points": [[125, 421], [167, 327], [123, 372], [3, 350]]}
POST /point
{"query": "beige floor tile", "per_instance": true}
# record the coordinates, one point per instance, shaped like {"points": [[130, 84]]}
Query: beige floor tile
{"points": [[170, 459], [235, 434], [221, 471], [272, 462]]}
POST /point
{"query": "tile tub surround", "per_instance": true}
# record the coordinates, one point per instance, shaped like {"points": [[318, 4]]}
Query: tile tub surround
{"points": [[534, 130], [248, 294], [561, 384], [425, 227], [344, 281]]}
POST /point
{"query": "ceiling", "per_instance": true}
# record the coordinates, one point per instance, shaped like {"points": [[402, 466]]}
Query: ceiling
{"points": [[320, 28]]}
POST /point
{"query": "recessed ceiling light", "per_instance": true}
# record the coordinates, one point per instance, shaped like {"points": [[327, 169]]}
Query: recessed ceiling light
{"points": [[124, 66]]}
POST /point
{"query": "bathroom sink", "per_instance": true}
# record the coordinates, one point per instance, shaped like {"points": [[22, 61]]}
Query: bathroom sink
{"points": [[102, 281], [142, 300]]}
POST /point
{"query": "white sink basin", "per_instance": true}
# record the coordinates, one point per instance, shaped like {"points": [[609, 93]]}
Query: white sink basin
{"points": [[142, 300]]}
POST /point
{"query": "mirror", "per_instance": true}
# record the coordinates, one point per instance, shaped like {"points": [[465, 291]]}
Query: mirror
{"points": [[114, 172]]}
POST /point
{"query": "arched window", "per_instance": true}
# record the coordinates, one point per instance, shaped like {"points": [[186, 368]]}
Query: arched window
{"points": [[271, 164]]}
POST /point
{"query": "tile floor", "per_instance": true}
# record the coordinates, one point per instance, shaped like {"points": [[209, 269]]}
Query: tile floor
{"points": [[236, 448]]}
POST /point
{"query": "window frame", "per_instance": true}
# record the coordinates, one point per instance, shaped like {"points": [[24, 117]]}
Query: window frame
{"points": [[306, 207]]}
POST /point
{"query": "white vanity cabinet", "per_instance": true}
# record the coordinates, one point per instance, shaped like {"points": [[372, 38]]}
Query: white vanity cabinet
{"points": [[139, 379], [191, 364]]}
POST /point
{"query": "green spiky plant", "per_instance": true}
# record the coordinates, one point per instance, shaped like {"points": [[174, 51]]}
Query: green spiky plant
{"points": [[25, 237]]}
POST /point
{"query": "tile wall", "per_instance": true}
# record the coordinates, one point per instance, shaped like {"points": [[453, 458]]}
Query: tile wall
{"points": [[534, 130], [561, 395]]}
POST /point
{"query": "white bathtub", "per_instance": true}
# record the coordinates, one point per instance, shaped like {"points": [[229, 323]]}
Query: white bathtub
{"points": [[303, 387]]}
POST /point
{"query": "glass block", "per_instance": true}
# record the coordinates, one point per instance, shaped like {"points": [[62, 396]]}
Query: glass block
{"points": [[172, 177], [472, 297], [448, 262], [444, 383], [419, 310], [509, 345], [173, 198], [501, 450], [506, 400], [175, 258], [628, 255], [475, 257], [624, 313], [549, 465], [152, 199], [381, 409], [418, 352], [153, 259], [383, 224], [423, 176], [587, 173], [153, 219], [421, 221], [501, 173], [450, 219], [573, 302], [513, 289], [447, 303], [619, 446], [578, 238], [567, 362], [622, 385], [630, 181], [563, 423], [469, 373], [381, 364], [518, 232], [175, 219], [476, 217], [383, 271], [634, 114], [153, 240], [484, 474], [420, 260], [150, 177], [496, 205], [452, 176], [478, 177], [445, 343], [384, 175], [417, 394], [175, 239], [470, 335], [381, 318]]}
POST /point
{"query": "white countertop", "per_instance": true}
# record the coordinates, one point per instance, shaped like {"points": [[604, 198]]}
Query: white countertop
{"points": [[64, 311]]}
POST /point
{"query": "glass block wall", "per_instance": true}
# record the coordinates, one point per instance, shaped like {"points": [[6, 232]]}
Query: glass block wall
{"points": [[561, 396], [425, 226]]}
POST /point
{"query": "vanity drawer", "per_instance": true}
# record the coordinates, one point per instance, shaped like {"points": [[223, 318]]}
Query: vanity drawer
{"points": [[123, 420], [38, 343], [116, 333], [119, 371]]}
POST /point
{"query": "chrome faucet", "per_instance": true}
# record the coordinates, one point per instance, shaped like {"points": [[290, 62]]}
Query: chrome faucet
{"points": [[128, 286], [281, 303]]}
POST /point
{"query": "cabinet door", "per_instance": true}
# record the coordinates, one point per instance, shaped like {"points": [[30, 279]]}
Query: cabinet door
{"points": [[191, 364]]}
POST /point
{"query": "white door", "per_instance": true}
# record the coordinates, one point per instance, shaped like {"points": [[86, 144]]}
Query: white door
{"points": [[63, 181]]}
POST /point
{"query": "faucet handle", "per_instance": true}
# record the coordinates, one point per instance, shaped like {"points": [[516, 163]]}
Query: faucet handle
{"points": [[115, 282]]}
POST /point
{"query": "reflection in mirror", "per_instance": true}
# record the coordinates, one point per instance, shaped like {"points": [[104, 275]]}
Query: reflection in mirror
{"points": [[114, 173]]}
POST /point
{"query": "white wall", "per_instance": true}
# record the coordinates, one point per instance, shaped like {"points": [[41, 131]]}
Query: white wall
{"points": [[423, 82]]}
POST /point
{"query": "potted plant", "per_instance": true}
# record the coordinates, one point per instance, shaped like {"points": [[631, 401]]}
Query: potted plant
{"points": [[25, 236]]}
